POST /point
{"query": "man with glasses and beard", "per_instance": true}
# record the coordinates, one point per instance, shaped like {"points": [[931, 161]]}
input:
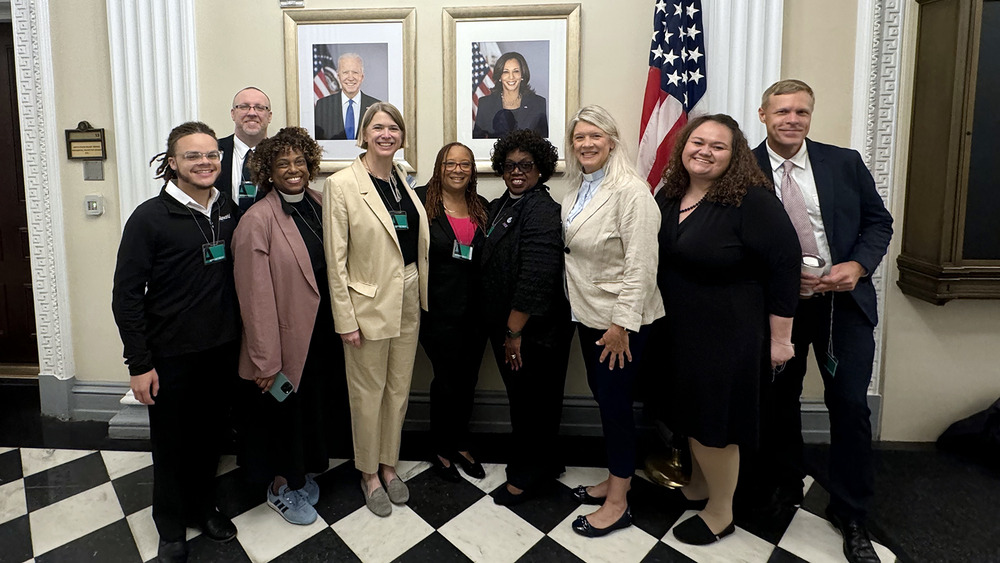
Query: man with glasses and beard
{"points": [[251, 112], [175, 305]]}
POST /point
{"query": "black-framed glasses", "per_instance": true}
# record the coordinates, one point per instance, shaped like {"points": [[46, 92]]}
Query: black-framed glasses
{"points": [[195, 156], [525, 166], [247, 107], [464, 166]]}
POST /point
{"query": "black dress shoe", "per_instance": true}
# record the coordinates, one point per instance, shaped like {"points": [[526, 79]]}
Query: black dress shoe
{"points": [[583, 526], [583, 497], [857, 545], [217, 527], [449, 473], [473, 469], [172, 552], [694, 531], [504, 497]]}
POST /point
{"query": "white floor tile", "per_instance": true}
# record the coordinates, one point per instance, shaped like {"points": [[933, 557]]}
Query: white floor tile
{"points": [[487, 532], [227, 463], [807, 483], [818, 541], [379, 540], [75, 517], [624, 546], [496, 475], [12, 502], [741, 545], [264, 535], [36, 460], [409, 469], [576, 476], [120, 464], [144, 532], [5, 450]]}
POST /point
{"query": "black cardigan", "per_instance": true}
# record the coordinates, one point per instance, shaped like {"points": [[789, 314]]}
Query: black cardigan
{"points": [[522, 264]]}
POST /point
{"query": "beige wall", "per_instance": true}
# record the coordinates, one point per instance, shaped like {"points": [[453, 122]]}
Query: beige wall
{"points": [[940, 363]]}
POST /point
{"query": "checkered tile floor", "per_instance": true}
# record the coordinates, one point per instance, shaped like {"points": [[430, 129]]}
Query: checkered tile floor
{"points": [[78, 505]]}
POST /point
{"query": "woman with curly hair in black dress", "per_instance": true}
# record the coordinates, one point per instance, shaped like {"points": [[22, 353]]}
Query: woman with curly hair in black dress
{"points": [[526, 312]]}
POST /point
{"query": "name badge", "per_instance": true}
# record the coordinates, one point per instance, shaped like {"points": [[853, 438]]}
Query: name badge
{"points": [[399, 220], [461, 251], [248, 190], [212, 252]]}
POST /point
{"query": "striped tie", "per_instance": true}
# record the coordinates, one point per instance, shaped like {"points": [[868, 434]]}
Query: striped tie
{"points": [[795, 206]]}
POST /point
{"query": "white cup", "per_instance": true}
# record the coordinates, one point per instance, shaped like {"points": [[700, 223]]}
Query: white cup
{"points": [[811, 264]]}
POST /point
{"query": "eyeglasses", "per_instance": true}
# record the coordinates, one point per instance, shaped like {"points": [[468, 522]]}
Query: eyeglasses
{"points": [[247, 107], [464, 166], [524, 167], [195, 156]]}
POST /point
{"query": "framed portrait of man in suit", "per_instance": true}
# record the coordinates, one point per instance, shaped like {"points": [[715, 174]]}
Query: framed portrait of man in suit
{"points": [[507, 68], [340, 62]]}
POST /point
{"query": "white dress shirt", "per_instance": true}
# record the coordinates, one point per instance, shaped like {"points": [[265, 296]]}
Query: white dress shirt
{"points": [[189, 202], [357, 111], [803, 175], [240, 150]]}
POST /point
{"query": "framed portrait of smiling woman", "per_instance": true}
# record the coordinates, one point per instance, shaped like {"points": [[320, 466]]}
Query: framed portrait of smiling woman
{"points": [[340, 62], [507, 68]]}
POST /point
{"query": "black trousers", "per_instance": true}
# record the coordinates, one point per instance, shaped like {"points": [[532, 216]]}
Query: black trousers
{"points": [[535, 393], [613, 391], [187, 424], [851, 484], [455, 348]]}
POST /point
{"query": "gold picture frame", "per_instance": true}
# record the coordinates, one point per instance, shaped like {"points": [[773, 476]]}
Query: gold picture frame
{"points": [[385, 38], [549, 35]]}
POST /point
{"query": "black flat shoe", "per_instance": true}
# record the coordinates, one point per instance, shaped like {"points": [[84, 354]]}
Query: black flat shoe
{"points": [[677, 499], [473, 469], [449, 473], [504, 497], [217, 527], [172, 552], [857, 545], [583, 526], [694, 531], [583, 497]]}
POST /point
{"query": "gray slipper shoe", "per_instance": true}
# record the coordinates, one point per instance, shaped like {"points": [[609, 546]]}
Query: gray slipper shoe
{"points": [[378, 501], [398, 493]]}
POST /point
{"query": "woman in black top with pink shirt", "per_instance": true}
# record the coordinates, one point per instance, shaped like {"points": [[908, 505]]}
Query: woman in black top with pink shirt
{"points": [[451, 331]]}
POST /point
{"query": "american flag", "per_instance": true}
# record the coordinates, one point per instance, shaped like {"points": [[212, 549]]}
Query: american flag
{"points": [[675, 84], [482, 72], [324, 73]]}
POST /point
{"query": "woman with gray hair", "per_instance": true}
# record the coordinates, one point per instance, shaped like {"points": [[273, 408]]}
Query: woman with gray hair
{"points": [[610, 222]]}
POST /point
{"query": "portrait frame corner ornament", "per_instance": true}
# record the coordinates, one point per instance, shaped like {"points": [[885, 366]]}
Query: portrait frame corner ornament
{"points": [[353, 27], [557, 25]]}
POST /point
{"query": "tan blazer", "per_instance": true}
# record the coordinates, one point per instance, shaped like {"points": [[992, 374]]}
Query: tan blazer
{"points": [[277, 291], [363, 257], [612, 257]]}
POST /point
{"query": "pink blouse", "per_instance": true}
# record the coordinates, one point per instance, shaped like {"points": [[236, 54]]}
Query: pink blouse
{"points": [[465, 229]]}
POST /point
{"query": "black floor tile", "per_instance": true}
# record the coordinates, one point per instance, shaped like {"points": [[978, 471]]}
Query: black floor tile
{"points": [[15, 540], [64, 481], [816, 500], [321, 548], [652, 511], [135, 490], [433, 548], [10, 466], [111, 543], [548, 551], [768, 527], [437, 501], [204, 550], [234, 495], [548, 507], [339, 492], [663, 553], [781, 556]]}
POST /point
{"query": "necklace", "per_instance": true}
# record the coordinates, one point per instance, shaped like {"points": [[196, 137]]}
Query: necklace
{"points": [[391, 181], [306, 223], [686, 209], [500, 213]]}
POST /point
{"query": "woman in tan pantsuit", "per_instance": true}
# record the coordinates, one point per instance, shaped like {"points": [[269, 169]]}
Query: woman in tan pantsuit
{"points": [[376, 240]]}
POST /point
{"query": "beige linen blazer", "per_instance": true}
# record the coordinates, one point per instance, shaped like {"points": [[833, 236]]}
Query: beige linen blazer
{"points": [[363, 258], [612, 256]]}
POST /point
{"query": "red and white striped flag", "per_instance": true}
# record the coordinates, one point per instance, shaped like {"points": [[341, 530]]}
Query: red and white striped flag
{"points": [[484, 56], [676, 82]]}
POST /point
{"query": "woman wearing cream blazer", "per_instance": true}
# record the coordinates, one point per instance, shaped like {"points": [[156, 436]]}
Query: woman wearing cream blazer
{"points": [[376, 252], [611, 223]]}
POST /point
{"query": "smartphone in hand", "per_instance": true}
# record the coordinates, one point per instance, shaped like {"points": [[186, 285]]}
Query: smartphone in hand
{"points": [[281, 388]]}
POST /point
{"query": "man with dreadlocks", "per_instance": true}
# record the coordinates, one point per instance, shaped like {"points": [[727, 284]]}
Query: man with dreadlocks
{"points": [[175, 304]]}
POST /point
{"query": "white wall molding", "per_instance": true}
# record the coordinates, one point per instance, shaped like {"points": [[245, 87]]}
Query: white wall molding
{"points": [[743, 50], [154, 84], [875, 118], [42, 189]]}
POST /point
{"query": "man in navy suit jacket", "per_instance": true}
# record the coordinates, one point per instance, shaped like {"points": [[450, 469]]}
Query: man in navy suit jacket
{"points": [[251, 112], [331, 112], [851, 228]]}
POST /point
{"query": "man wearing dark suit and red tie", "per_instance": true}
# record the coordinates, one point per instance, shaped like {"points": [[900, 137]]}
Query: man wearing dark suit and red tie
{"points": [[251, 113], [831, 198], [338, 115]]}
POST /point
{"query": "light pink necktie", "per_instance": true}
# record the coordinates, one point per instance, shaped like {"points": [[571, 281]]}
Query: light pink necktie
{"points": [[795, 206]]}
